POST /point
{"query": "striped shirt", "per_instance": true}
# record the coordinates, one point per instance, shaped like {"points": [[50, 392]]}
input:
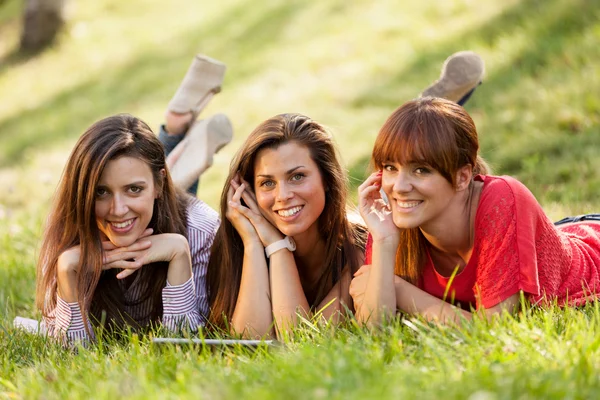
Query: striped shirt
{"points": [[184, 305]]}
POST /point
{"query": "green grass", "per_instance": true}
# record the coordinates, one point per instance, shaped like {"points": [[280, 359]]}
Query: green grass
{"points": [[347, 65]]}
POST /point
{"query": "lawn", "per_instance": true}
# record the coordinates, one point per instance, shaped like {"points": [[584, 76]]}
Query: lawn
{"points": [[347, 64]]}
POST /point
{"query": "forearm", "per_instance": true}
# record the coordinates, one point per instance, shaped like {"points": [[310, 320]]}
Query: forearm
{"points": [[252, 315], [180, 265], [288, 297], [414, 301], [380, 294]]}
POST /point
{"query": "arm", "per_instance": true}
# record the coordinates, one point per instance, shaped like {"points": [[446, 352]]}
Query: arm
{"points": [[379, 299], [334, 305], [65, 321], [252, 316], [287, 294], [415, 301]]}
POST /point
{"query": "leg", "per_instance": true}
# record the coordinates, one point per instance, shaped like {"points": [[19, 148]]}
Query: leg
{"points": [[188, 152], [462, 72]]}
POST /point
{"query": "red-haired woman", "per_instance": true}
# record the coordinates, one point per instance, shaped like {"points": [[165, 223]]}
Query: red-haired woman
{"points": [[452, 239]]}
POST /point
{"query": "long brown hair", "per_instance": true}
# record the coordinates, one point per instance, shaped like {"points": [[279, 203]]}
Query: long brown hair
{"points": [[341, 238], [436, 132], [72, 221]]}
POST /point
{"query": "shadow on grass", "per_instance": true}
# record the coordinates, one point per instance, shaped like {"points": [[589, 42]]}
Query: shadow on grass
{"points": [[243, 34]]}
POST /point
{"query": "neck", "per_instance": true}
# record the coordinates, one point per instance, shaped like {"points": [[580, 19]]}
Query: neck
{"points": [[452, 233]]}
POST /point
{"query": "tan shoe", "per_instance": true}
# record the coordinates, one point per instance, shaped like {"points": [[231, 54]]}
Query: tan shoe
{"points": [[194, 154], [201, 82], [461, 73]]}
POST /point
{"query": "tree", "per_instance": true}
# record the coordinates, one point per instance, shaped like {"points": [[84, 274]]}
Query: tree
{"points": [[42, 20]]}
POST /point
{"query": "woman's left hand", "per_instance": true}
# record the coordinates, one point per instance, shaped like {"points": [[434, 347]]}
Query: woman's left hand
{"points": [[266, 231], [358, 285], [162, 247]]}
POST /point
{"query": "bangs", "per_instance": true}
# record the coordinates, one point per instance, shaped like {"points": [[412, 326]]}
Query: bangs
{"points": [[412, 136]]}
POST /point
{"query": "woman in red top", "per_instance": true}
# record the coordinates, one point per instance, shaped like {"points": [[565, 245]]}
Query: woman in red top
{"points": [[451, 239]]}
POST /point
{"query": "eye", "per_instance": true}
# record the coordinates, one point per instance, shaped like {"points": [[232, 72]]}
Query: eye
{"points": [[389, 167], [298, 177], [101, 192], [135, 189], [422, 170], [267, 183]]}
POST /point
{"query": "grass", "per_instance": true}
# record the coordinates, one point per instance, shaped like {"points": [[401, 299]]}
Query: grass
{"points": [[348, 65]]}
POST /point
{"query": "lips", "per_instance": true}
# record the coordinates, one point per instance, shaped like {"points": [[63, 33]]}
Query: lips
{"points": [[122, 226], [289, 212]]}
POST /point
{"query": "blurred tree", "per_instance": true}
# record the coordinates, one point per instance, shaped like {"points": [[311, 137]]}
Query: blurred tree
{"points": [[42, 19]]}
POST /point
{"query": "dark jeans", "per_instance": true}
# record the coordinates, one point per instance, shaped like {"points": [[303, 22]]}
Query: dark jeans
{"points": [[579, 218], [169, 143]]}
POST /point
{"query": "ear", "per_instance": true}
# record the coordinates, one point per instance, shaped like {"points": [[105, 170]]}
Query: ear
{"points": [[464, 175]]}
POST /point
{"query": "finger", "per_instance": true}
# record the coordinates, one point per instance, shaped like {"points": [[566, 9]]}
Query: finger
{"points": [[121, 256], [124, 264], [249, 189], [238, 194], [125, 273], [362, 270], [250, 201], [146, 233], [374, 177]]}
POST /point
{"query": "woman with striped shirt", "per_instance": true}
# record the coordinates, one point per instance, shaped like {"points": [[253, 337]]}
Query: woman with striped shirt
{"points": [[122, 244]]}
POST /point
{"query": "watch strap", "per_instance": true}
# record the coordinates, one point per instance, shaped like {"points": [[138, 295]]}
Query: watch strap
{"points": [[285, 243]]}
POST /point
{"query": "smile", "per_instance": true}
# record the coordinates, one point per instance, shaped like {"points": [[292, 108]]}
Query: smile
{"points": [[290, 211], [408, 204], [120, 226]]}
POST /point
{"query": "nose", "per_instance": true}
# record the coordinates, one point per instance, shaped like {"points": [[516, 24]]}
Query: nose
{"points": [[284, 192], [119, 205], [402, 183]]}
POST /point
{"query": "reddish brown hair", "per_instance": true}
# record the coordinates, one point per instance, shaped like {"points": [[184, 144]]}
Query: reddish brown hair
{"points": [[435, 132]]}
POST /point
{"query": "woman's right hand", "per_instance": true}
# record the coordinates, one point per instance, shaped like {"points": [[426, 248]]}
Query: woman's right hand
{"points": [[235, 215], [375, 212]]}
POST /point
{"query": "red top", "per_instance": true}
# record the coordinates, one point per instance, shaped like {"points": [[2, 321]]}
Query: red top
{"points": [[517, 248]]}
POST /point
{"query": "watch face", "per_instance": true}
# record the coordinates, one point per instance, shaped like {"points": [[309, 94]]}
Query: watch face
{"points": [[291, 243]]}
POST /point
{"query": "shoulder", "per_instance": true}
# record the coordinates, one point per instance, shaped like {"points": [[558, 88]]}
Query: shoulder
{"points": [[201, 217], [505, 190]]}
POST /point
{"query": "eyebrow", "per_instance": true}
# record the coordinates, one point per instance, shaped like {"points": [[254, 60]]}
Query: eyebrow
{"points": [[289, 171], [136, 183]]}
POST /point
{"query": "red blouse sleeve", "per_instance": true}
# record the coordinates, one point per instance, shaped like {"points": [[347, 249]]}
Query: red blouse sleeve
{"points": [[505, 230]]}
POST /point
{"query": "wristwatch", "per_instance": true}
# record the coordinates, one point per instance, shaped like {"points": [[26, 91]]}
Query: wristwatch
{"points": [[285, 243]]}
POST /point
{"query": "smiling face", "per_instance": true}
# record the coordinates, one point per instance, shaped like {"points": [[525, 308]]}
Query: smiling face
{"points": [[289, 189], [125, 197], [418, 194]]}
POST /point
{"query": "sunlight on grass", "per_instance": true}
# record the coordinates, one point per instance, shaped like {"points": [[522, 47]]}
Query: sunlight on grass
{"points": [[347, 65]]}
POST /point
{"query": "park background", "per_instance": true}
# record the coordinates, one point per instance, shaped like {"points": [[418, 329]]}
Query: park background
{"points": [[347, 64]]}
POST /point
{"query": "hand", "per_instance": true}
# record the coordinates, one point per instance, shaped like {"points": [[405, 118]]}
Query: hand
{"points": [[358, 285], [375, 212], [266, 232], [146, 250]]}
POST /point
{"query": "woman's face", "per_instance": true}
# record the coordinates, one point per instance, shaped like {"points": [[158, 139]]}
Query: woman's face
{"points": [[417, 194], [125, 200], [289, 189]]}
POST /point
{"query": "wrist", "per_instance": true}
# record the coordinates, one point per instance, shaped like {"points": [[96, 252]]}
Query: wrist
{"points": [[387, 241]]}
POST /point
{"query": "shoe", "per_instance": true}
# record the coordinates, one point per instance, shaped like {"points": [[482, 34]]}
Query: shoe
{"points": [[461, 73], [201, 82], [194, 154]]}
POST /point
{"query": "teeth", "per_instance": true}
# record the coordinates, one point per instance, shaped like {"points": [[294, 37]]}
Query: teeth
{"points": [[289, 212], [408, 204], [121, 225]]}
